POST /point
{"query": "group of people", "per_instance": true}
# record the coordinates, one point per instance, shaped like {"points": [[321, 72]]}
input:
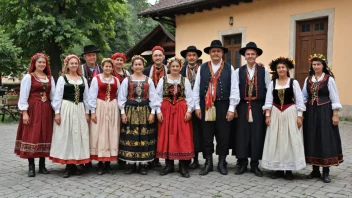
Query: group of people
{"points": [[105, 113]]}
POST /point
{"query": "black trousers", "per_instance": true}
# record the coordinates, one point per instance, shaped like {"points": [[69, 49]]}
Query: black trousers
{"points": [[219, 128]]}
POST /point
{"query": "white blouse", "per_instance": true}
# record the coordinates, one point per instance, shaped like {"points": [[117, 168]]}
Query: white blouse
{"points": [[296, 91], [123, 93], [59, 93], [94, 88], [333, 93], [25, 90], [188, 93]]}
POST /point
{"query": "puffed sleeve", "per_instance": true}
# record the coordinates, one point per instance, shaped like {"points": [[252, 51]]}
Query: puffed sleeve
{"points": [[333, 94], [298, 98], [24, 92], [85, 95], [305, 92], [196, 90], [59, 93], [52, 91], [152, 96], [93, 94], [122, 97], [267, 78], [159, 95], [128, 73], [269, 97], [234, 93], [189, 96]]}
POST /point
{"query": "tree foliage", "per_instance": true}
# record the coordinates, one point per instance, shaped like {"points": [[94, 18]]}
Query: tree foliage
{"points": [[10, 62]]}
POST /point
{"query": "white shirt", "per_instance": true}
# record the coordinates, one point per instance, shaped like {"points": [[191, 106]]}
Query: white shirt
{"points": [[160, 92], [251, 72], [94, 89], [25, 90], [234, 92], [297, 95], [59, 93], [123, 93], [333, 93]]}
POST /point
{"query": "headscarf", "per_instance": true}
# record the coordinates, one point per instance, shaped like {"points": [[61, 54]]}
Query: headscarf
{"points": [[34, 59]]}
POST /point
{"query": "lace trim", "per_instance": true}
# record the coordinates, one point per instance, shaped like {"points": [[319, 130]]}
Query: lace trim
{"points": [[297, 165]]}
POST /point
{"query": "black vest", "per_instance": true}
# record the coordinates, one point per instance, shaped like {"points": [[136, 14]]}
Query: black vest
{"points": [[223, 88], [69, 91], [288, 95], [259, 89], [321, 91]]}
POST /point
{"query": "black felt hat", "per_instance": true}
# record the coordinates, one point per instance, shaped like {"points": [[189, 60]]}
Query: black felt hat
{"points": [[191, 49], [90, 49], [251, 45], [215, 44]]}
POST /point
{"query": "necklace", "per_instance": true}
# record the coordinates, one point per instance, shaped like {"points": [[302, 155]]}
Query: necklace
{"points": [[108, 79]]}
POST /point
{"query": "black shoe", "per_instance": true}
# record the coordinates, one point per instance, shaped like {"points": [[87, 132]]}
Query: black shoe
{"points": [[183, 169], [67, 172], [195, 164], [100, 169], [43, 170], [130, 168], [88, 166], [256, 171], [288, 175], [314, 174], [241, 169], [169, 167], [75, 170], [143, 169], [222, 165], [108, 169], [278, 174], [326, 178], [156, 163], [31, 170], [208, 165]]}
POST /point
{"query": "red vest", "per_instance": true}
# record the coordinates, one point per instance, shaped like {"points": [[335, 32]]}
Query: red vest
{"points": [[104, 92]]}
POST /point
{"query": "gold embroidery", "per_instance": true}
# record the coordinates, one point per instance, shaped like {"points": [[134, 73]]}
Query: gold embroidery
{"points": [[135, 131], [76, 94], [137, 155], [281, 95], [137, 115], [108, 90], [137, 143]]}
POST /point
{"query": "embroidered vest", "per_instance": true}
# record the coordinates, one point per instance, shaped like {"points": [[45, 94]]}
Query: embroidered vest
{"points": [[283, 98], [88, 74], [259, 88], [224, 83], [40, 91], [107, 92], [319, 91], [168, 91], [73, 93], [138, 90]]}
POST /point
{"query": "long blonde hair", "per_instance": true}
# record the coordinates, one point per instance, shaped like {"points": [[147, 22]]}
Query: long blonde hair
{"points": [[65, 68]]}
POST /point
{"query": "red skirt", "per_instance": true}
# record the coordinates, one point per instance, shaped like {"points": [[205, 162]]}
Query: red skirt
{"points": [[175, 136], [34, 140]]}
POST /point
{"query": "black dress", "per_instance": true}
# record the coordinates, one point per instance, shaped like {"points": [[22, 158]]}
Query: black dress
{"points": [[322, 140]]}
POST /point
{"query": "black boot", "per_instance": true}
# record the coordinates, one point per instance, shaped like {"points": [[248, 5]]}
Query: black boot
{"points": [[31, 167], [288, 175], [143, 169], [184, 168], [195, 163], [241, 166], [326, 177], [156, 163], [222, 165], [107, 168], [208, 165], [100, 168], [130, 168], [315, 173], [169, 167], [75, 170], [256, 171], [278, 174], [68, 171], [42, 168]]}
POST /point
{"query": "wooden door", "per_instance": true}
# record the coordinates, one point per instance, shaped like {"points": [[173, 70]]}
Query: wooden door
{"points": [[233, 43], [311, 38]]}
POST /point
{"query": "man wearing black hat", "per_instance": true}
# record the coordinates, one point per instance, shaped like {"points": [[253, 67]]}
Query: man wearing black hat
{"points": [[216, 96], [90, 69], [191, 54], [253, 81]]}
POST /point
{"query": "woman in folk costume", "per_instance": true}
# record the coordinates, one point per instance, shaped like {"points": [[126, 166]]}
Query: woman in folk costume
{"points": [[174, 107], [70, 144], [137, 137], [321, 132], [105, 117], [284, 106], [118, 71], [35, 127]]}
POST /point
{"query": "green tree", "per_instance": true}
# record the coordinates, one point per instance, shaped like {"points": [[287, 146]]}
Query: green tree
{"points": [[9, 56], [56, 26]]}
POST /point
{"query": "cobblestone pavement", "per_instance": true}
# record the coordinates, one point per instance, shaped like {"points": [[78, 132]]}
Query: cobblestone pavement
{"points": [[15, 183]]}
